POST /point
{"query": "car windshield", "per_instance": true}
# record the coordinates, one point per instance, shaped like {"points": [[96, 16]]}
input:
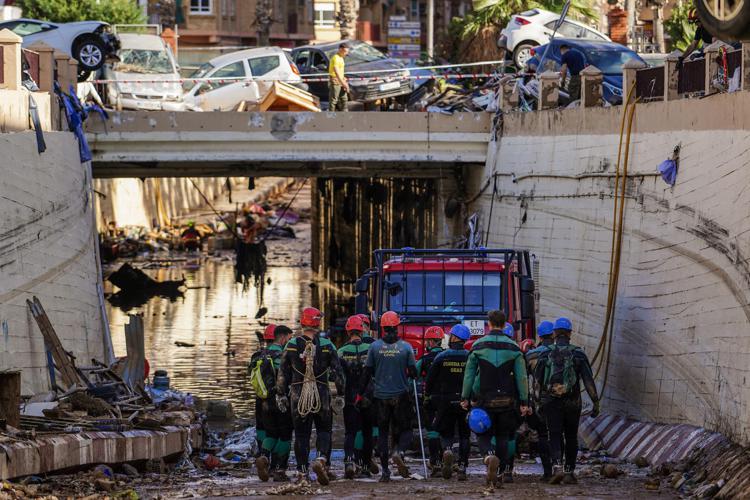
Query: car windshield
{"points": [[201, 72], [144, 61], [438, 291], [609, 61], [359, 53]]}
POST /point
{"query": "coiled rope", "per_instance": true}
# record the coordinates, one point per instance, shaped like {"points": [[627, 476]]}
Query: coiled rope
{"points": [[309, 398]]}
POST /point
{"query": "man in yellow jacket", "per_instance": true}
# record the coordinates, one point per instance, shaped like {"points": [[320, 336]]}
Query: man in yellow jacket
{"points": [[338, 87]]}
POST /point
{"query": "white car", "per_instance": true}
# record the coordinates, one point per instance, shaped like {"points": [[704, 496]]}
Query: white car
{"points": [[535, 27], [146, 75], [89, 42], [249, 73]]}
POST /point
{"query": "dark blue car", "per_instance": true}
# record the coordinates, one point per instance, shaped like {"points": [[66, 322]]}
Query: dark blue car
{"points": [[607, 56]]}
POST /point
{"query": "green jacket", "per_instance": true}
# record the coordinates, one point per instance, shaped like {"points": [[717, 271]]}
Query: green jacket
{"points": [[495, 368], [353, 355]]}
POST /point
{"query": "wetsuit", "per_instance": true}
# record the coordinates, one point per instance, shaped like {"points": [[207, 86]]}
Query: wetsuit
{"points": [[534, 421], [358, 414], [562, 413], [428, 407], [495, 379], [291, 375], [443, 386], [277, 425]]}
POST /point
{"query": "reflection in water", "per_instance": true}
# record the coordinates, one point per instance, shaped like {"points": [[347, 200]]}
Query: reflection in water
{"points": [[218, 320]]}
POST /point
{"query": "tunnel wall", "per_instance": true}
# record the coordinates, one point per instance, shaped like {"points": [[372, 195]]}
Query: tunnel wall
{"points": [[681, 350], [46, 250]]}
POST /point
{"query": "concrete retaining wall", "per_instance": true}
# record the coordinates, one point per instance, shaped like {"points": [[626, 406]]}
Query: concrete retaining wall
{"points": [[47, 250], [681, 338]]}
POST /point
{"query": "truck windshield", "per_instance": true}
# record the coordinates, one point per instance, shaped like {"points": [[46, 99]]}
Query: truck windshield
{"points": [[438, 291]]}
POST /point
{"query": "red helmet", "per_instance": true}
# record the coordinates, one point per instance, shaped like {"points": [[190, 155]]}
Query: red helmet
{"points": [[268, 332], [526, 345], [434, 332], [355, 324], [390, 318], [365, 320], [311, 317]]}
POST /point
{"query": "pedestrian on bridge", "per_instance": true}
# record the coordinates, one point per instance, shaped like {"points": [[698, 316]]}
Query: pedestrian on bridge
{"points": [[338, 86]]}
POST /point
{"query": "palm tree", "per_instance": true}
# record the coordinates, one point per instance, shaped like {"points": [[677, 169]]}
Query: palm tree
{"points": [[264, 20], [347, 17]]}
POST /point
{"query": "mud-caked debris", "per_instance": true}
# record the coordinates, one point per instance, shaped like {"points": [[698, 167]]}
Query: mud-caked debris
{"points": [[129, 470], [641, 461], [652, 484], [706, 491], [610, 471]]}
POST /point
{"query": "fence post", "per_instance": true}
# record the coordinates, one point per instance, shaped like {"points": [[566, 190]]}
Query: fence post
{"points": [[745, 73], [61, 69], [591, 86], [72, 73], [46, 66], [710, 52], [508, 96], [629, 71], [672, 76], [549, 90], [10, 44]]}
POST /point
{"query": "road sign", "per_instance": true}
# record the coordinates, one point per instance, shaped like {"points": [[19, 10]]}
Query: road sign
{"points": [[404, 39]]}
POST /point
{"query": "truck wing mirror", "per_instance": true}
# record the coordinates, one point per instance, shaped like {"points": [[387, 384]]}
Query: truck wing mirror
{"points": [[362, 285]]}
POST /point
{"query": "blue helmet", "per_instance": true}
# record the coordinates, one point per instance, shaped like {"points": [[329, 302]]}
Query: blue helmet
{"points": [[545, 328], [479, 421], [563, 324], [509, 330], [461, 331]]}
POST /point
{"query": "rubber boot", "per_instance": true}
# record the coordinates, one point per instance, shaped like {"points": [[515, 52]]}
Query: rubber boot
{"points": [[557, 474], [261, 463], [461, 474], [319, 468], [508, 474], [385, 476], [448, 464], [435, 452], [303, 475], [373, 466], [279, 476], [398, 461], [492, 463], [569, 477], [349, 470]]}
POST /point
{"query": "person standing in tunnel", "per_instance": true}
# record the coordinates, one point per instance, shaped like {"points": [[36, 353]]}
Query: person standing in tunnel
{"points": [[277, 424], [264, 344], [535, 420], [443, 386], [433, 339], [559, 372], [390, 363], [308, 363]]}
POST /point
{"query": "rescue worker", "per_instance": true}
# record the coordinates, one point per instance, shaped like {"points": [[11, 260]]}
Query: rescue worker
{"points": [[358, 417], [311, 357], [559, 372], [260, 422], [535, 421], [443, 387], [390, 363], [433, 339], [277, 441], [367, 337], [495, 379], [338, 86]]}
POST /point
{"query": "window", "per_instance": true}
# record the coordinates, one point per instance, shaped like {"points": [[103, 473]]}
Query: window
{"points": [[200, 6], [26, 28], [592, 35], [324, 15], [438, 291], [303, 59], [319, 62], [262, 65], [234, 70], [569, 30], [228, 8]]}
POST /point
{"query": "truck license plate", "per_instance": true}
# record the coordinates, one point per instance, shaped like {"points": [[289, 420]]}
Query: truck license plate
{"points": [[475, 326], [389, 86]]}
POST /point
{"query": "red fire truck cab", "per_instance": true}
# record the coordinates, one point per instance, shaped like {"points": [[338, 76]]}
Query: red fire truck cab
{"points": [[429, 287]]}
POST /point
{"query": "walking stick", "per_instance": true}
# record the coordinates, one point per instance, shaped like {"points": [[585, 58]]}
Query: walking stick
{"points": [[419, 424]]}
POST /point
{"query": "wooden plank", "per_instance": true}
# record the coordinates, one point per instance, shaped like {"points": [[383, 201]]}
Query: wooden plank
{"points": [[10, 397], [64, 364], [285, 97]]}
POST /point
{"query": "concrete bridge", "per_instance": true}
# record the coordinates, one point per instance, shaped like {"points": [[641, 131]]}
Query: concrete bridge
{"points": [[168, 144]]}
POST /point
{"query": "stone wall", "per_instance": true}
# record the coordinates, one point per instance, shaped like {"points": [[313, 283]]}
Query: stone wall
{"points": [[681, 348], [46, 250]]}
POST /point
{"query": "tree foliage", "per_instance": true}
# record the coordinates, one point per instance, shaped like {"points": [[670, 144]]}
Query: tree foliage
{"points": [[680, 30], [66, 11]]}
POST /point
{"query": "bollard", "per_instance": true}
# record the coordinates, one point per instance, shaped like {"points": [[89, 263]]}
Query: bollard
{"points": [[46, 66], [10, 44], [629, 71], [549, 90], [745, 65], [62, 69], [672, 76], [508, 96], [591, 86]]}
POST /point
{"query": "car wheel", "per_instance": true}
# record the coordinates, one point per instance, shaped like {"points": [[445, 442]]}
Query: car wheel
{"points": [[522, 53], [89, 52], [727, 20]]}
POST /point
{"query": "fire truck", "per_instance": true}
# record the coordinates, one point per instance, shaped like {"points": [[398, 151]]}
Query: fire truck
{"points": [[428, 287]]}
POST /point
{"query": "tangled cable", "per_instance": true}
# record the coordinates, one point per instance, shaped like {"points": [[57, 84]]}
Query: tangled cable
{"points": [[309, 398]]}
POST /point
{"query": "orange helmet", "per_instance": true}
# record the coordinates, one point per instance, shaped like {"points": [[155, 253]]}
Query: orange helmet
{"points": [[365, 320], [355, 324], [268, 333], [311, 317], [526, 345], [390, 318], [434, 332]]}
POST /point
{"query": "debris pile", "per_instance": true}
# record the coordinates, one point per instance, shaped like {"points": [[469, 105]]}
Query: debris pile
{"points": [[439, 96]]}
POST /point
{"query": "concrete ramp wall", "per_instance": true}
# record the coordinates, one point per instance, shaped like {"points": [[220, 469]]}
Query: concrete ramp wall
{"points": [[681, 348], [47, 250]]}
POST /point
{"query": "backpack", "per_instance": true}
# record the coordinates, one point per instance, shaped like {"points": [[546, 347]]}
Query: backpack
{"points": [[560, 376], [263, 375]]}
